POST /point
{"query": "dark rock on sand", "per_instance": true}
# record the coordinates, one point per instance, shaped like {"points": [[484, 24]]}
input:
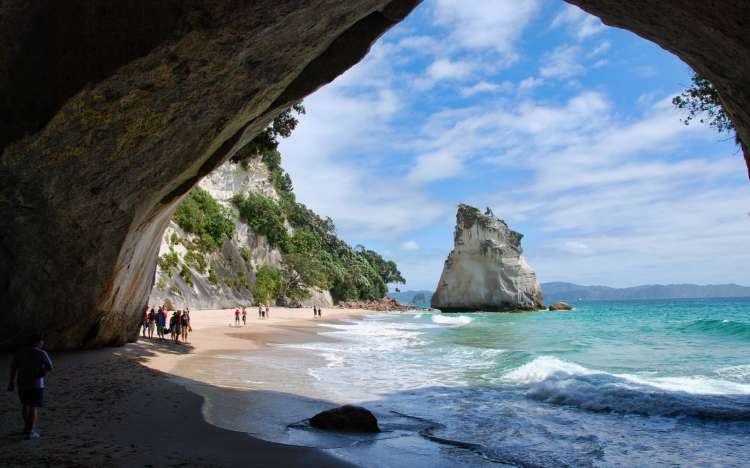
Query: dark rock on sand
{"points": [[381, 305], [346, 418], [560, 306]]}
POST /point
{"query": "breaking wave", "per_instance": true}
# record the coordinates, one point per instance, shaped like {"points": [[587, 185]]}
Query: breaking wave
{"points": [[451, 320], [717, 327], [555, 381]]}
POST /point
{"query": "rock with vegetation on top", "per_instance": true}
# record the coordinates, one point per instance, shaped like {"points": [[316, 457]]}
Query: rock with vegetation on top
{"points": [[346, 418], [561, 306], [485, 270]]}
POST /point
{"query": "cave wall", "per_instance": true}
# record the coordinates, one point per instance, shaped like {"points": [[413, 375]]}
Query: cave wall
{"points": [[118, 108], [111, 110]]}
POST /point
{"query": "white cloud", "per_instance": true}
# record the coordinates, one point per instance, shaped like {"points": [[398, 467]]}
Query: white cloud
{"points": [[612, 199], [485, 24], [444, 70], [529, 83], [331, 171], [487, 87], [600, 49], [600, 63], [439, 165], [563, 62], [410, 245], [579, 23]]}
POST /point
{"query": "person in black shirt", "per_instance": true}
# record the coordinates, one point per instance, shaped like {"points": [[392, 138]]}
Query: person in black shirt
{"points": [[28, 368]]}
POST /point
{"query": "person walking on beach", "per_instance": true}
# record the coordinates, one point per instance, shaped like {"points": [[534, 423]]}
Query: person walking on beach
{"points": [[244, 317], [144, 322], [29, 365], [177, 326], [172, 321], [260, 311], [236, 317], [160, 322], [185, 324], [320, 312], [151, 323], [268, 311]]}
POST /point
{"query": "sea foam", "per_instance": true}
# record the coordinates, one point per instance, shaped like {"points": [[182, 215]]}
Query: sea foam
{"points": [[557, 381], [451, 320]]}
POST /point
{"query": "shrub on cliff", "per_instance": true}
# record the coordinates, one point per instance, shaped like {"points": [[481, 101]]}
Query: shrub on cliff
{"points": [[702, 102], [268, 140], [200, 214], [264, 216], [267, 284], [168, 262]]}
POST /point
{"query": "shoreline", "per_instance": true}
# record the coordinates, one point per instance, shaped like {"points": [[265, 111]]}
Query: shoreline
{"points": [[141, 404]]}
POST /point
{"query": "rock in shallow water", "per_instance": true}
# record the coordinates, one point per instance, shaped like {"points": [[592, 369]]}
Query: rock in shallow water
{"points": [[346, 418], [561, 306], [485, 270]]}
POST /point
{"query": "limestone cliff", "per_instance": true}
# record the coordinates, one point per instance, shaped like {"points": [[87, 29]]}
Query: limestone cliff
{"points": [[228, 278], [485, 270]]}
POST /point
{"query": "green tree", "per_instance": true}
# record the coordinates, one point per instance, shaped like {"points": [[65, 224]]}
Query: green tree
{"points": [[387, 269], [264, 216], [268, 140], [702, 102], [267, 284], [200, 214], [213, 278], [168, 262]]}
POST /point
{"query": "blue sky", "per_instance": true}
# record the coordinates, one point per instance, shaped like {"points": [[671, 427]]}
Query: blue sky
{"points": [[561, 125]]}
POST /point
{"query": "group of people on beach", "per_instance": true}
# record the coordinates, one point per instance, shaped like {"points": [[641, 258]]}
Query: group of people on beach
{"points": [[156, 321], [264, 312], [317, 312]]}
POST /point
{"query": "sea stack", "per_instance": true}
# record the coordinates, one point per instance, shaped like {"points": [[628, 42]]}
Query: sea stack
{"points": [[485, 270]]}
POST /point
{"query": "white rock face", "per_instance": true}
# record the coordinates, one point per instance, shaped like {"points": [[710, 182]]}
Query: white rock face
{"points": [[486, 271], [222, 184]]}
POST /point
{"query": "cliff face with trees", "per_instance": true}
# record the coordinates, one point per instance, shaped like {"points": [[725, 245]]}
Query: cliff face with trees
{"points": [[241, 237]]}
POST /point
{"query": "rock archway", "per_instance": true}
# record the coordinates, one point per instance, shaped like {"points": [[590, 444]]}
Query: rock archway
{"points": [[112, 110]]}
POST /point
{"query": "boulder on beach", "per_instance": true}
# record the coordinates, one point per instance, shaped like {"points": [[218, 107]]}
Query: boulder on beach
{"points": [[346, 418], [168, 304], [561, 306]]}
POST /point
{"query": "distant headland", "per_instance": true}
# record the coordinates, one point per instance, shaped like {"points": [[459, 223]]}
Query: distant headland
{"points": [[562, 291]]}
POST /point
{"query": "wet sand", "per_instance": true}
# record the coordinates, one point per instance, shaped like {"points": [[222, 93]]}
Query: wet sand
{"points": [[130, 406]]}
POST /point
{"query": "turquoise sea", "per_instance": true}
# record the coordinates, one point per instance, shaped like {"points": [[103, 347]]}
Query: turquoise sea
{"points": [[631, 383]]}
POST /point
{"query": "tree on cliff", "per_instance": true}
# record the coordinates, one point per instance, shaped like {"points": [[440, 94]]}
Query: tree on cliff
{"points": [[702, 102], [387, 269], [267, 284], [267, 141]]}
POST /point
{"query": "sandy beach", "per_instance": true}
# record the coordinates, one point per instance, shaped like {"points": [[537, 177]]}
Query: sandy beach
{"points": [[145, 404]]}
